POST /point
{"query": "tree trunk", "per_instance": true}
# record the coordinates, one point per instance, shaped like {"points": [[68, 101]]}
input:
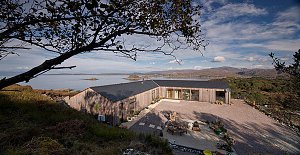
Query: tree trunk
{"points": [[46, 65]]}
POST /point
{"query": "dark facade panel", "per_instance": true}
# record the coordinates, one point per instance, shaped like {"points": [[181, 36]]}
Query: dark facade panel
{"points": [[122, 91], [192, 84]]}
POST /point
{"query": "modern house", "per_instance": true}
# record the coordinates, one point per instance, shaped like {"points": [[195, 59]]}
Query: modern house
{"points": [[117, 102]]}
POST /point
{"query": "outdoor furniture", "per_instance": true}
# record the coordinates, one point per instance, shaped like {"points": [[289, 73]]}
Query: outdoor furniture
{"points": [[174, 130], [175, 127], [219, 101], [196, 126], [173, 116], [207, 152]]}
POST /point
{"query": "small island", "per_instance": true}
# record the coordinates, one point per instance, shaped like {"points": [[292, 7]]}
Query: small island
{"points": [[133, 77], [92, 79]]}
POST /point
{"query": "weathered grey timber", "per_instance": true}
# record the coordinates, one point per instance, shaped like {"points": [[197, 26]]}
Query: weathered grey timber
{"points": [[119, 101]]}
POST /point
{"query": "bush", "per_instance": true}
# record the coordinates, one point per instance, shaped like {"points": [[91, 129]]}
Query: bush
{"points": [[31, 123]]}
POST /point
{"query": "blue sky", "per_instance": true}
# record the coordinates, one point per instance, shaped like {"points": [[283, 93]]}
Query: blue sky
{"points": [[240, 34]]}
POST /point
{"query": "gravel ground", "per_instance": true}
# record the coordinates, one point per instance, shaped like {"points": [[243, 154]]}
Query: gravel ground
{"points": [[253, 131]]}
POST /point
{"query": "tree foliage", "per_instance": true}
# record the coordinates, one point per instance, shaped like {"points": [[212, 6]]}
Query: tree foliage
{"points": [[293, 69], [71, 27], [294, 82], [275, 97]]}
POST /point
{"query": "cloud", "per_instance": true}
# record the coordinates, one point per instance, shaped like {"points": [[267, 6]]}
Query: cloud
{"points": [[284, 45], [230, 11], [222, 24], [208, 4], [200, 67], [172, 61], [240, 37], [176, 62], [291, 45], [258, 66], [237, 31], [250, 59], [23, 67], [289, 18], [236, 10], [219, 59]]}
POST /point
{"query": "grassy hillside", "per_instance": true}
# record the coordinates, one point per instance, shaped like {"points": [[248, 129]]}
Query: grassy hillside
{"points": [[276, 97], [31, 123]]}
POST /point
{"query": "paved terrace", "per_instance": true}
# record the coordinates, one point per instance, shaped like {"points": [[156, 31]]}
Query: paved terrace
{"points": [[253, 131]]}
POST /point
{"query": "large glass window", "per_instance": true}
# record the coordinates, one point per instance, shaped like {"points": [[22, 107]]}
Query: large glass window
{"points": [[186, 94], [195, 95], [170, 93], [220, 95], [177, 94]]}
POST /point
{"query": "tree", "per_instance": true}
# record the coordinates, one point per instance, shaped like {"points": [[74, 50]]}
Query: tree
{"points": [[70, 27], [293, 69], [294, 83]]}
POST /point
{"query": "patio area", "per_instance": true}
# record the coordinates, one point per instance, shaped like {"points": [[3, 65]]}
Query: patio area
{"points": [[252, 131]]}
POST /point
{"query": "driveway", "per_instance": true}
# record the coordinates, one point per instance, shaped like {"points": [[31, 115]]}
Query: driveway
{"points": [[253, 131]]}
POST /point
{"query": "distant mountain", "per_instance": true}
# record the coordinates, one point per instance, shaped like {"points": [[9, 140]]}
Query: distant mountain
{"points": [[259, 72], [219, 72]]}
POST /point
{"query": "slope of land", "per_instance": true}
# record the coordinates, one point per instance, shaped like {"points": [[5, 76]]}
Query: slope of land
{"points": [[220, 72], [32, 123]]}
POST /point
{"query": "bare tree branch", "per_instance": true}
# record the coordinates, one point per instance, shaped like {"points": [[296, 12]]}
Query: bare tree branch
{"points": [[72, 27], [67, 67]]}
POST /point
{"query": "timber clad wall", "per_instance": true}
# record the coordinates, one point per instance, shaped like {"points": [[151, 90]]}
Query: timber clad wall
{"points": [[205, 94], [86, 101], [92, 102], [144, 99]]}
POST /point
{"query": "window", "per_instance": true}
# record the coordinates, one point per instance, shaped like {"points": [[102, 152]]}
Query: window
{"points": [[121, 108], [186, 94], [101, 118], [220, 95], [131, 105], [153, 95], [131, 100], [170, 93], [195, 95], [177, 94], [121, 111]]}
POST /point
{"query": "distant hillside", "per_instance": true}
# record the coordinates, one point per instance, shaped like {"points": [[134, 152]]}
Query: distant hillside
{"points": [[220, 72], [259, 72]]}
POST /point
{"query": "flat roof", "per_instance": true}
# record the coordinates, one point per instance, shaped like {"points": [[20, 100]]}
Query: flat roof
{"points": [[192, 84]]}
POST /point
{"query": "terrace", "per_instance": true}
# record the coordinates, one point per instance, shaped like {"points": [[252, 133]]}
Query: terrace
{"points": [[252, 131]]}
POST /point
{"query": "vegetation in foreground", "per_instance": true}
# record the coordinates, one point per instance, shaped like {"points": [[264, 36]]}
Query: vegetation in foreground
{"points": [[32, 123], [275, 97]]}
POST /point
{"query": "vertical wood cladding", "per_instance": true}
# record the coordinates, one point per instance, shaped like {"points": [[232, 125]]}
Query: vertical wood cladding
{"points": [[92, 102]]}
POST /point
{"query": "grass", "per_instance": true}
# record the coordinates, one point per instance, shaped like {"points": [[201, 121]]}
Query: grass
{"points": [[32, 123]]}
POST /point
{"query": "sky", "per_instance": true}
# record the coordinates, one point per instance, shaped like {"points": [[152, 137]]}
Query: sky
{"points": [[240, 34]]}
